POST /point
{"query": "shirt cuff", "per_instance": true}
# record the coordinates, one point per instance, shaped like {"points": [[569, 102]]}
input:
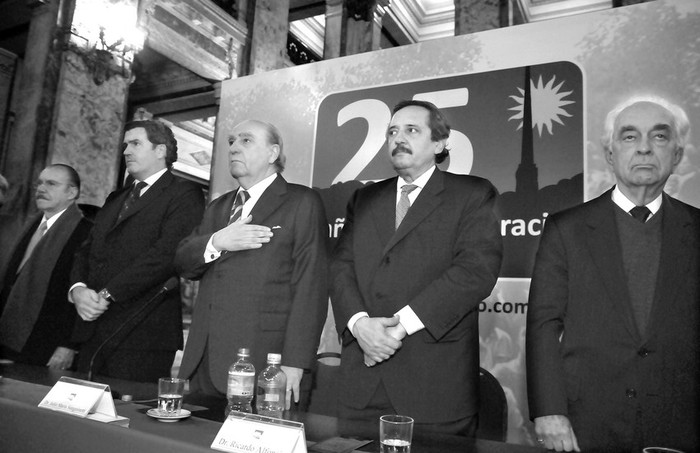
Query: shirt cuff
{"points": [[353, 320], [76, 285], [409, 320], [210, 253]]}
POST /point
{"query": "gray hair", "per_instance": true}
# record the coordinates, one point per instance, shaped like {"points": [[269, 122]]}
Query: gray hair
{"points": [[681, 125], [274, 137]]}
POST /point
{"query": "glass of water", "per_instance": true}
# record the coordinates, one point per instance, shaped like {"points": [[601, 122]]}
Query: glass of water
{"points": [[170, 394], [395, 433]]}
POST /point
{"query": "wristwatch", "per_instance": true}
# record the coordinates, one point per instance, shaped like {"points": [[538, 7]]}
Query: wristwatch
{"points": [[106, 295]]}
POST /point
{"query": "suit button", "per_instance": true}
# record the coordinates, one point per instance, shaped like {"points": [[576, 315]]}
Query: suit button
{"points": [[643, 352], [631, 393]]}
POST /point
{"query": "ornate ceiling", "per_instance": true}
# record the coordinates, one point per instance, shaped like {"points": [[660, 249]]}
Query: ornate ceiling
{"points": [[411, 21]]}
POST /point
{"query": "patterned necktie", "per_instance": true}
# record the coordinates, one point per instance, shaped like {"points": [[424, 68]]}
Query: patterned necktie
{"points": [[241, 197], [640, 213], [404, 203], [134, 195], [38, 234]]}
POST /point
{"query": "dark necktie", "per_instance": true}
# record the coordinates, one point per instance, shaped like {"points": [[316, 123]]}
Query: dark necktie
{"points": [[640, 213], [241, 197], [134, 195], [404, 203], [36, 237]]}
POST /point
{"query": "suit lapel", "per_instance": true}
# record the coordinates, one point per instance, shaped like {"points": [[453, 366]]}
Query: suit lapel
{"points": [[606, 251], [427, 201], [675, 254], [271, 199], [149, 197], [383, 211], [224, 214]]}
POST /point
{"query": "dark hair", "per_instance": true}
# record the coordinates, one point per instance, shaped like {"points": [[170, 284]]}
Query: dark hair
{"points": [[439, 129], [158, 134], [73, 175]]}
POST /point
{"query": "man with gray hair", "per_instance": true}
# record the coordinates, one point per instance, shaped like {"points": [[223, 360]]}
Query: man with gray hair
{"points": [[260, 256], [612, 326]]}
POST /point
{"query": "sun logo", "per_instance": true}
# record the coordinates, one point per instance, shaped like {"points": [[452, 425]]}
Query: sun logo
{"points": [[546, 103]]}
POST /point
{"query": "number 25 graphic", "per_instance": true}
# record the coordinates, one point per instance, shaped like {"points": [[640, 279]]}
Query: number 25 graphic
{"points": [[378, 116]]}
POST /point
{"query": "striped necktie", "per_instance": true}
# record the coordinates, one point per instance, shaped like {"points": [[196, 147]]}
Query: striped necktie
{"points": [[241, 197]]}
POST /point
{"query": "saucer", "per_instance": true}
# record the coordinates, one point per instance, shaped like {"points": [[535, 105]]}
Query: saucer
{"points": [[155, 413]]}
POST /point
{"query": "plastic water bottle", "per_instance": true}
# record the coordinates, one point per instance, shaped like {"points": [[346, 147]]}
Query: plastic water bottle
{"points": [[241, 383], [272, 386]]}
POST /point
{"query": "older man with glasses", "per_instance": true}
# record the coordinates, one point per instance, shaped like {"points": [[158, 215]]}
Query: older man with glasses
{"points": [[37, 319]]}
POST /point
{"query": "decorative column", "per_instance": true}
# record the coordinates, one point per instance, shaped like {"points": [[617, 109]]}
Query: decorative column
{"points": [[27, 148], [473, 16], [269, 36], [91, 95], [334, 29], [362, 25]]}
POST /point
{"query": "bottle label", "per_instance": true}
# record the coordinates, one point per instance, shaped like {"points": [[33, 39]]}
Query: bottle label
{"points": [[272, 396], [241, 384]]}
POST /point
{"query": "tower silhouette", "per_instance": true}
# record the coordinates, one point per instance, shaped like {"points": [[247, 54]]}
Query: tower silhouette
{"points": [[526, 174]]}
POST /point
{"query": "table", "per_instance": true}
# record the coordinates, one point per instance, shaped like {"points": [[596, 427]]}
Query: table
{"points": [[24, 427]]}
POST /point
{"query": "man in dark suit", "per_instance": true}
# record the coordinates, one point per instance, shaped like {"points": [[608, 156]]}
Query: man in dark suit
{"points": [[127, 259], [406, 291], [612, 327], [260, 254], [37, 319]]}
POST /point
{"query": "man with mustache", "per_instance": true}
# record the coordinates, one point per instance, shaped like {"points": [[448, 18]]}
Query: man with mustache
{"points": [[37, 319], [127, 259], [613, 351], [406, 287]]}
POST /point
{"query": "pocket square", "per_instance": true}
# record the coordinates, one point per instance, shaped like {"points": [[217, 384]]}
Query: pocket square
{"points": [[275, 227]]}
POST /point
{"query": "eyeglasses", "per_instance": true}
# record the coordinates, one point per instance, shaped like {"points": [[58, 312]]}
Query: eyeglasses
{"points": [[50, 184]]}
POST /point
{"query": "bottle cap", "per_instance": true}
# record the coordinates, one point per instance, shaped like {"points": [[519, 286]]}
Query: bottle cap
{"points": [[245, 352], [274, 358]]}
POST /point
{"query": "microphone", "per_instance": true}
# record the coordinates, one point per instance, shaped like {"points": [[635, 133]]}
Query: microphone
{"points": [[169, 285]]}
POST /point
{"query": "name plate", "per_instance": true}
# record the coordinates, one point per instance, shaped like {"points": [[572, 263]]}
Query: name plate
{"points": [[83, 399], [250, 433]]}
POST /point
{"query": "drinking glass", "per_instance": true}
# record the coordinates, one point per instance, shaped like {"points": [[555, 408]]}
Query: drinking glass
{"points": [[395, 433], [170, 394]]}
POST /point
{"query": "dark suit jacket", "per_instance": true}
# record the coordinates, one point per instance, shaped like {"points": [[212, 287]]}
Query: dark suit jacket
{"points": [[442, 261], [56, 318], [132, 258], [271, 299], [10, 227], [603, 371]]}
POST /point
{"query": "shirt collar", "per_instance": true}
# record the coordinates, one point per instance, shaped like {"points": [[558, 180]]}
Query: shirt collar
{"points": [[420, 181], [52, 220], [153, 178], [626, 205], [257, 190]]}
